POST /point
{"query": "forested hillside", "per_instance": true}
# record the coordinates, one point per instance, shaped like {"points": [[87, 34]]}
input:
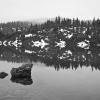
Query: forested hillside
{"points": [[61, 31]]}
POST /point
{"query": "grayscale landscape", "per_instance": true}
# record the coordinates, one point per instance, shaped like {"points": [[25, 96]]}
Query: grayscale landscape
{"points": [[49, 50]]}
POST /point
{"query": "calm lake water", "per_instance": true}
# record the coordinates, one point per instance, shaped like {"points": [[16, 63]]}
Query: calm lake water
{"points": [[50, 84]]}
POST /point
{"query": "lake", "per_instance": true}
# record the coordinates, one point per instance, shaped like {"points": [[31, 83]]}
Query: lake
{"points": [[82, 83], [38, 71]]}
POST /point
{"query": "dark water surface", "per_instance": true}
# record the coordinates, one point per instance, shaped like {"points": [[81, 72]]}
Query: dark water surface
{"points": [[49, 84]]}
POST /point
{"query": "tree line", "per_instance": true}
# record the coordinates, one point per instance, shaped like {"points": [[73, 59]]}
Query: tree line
{"points": [[56, 30], [12, 27]]}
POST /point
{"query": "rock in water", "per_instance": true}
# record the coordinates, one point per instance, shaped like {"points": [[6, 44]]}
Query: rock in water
{"points": [[23, 71], [22, 74], [3, 75]]}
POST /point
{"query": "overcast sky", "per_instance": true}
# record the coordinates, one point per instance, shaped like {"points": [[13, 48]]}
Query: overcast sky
{"points": [[11, 10]]}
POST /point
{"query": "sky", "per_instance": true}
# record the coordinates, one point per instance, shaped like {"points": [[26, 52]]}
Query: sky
{"points": [[13, 10]]}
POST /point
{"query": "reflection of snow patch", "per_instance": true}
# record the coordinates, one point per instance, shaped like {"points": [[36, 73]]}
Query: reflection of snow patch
{"points": [[4, 43], [65, 34], [89, 36], [83, 57], [17, 43], [61, 57], [37, 43], [65, 55], [9, 43], [61, 44], [84, 32], [71, 28], [46, 38], [29, 51], [41, 44], [0, 42], [69, 52], [83, 44], [98, 45], [89, 52], [87, 41], [68, 31]]}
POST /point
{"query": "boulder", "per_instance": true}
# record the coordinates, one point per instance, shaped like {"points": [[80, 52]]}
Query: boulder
{"points": [[22, 74], [23, 71]]}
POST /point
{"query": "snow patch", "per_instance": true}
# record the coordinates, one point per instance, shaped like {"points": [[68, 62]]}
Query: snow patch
{"points": [[62, 30], [28, 35], [69, 36]]}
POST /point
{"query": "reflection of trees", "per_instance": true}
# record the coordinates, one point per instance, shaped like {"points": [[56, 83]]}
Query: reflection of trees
{"points": [[70, 31], [54, 56]]}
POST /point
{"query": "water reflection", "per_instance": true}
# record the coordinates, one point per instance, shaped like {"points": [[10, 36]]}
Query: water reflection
{"points": [[48, 83], [23, 81], [52, 56]]}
